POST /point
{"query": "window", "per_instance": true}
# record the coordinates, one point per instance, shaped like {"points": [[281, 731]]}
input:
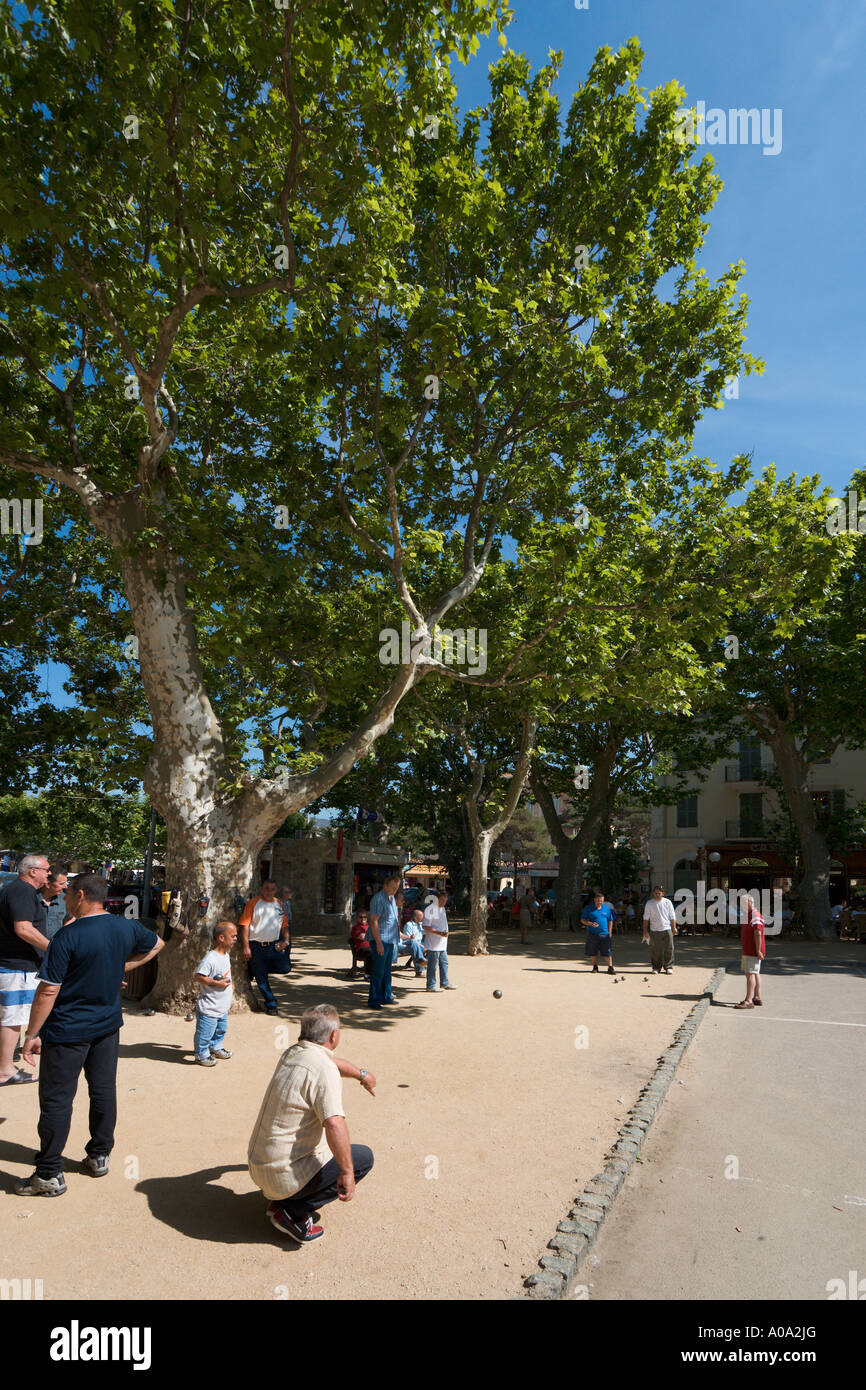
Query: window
{"points": [[830, 803], [687, 812], [751, 813], [750, 758]]}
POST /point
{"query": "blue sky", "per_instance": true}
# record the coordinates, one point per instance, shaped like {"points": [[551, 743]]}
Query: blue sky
{"points": [[795, 218]]}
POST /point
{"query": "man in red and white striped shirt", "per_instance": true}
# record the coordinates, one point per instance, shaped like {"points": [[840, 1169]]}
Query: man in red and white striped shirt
{"points": [[754, 950]]}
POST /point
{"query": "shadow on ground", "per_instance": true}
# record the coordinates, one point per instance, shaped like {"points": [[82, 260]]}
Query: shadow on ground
{"points": [[196, 1205], [26, 1155]]}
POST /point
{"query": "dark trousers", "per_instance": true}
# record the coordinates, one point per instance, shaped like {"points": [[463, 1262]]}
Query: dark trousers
{"points": [[60, 1066], [661, 948], [323, 1187], [380, 975], [264, 958]]}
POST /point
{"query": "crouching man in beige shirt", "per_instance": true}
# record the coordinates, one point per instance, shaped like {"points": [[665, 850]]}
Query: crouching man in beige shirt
{"points": [[299, 1154]]}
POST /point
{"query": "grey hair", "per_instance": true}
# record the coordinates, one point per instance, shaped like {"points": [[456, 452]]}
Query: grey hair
{"points": [[318, 1023], [30, 861]]}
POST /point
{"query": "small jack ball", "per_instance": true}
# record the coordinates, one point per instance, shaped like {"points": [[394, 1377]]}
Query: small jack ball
{"points": [[497, 994]]}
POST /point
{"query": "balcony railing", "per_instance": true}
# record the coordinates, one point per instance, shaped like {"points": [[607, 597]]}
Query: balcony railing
{"points": [[743, 830], [745, 772]]}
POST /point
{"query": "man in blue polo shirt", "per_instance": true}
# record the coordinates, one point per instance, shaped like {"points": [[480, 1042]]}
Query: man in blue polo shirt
{"points": [[384, 936], [75, 1023], [598, 921]]}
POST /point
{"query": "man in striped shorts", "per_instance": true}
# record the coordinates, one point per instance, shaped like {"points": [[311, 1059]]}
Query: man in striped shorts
{"points": [[22, 945]]}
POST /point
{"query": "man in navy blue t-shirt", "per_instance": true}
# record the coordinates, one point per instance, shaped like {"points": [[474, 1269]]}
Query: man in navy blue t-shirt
{"points": [[598, 921], [75, 1023]]}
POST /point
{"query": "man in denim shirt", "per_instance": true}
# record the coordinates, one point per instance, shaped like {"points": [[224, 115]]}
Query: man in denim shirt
{"points": [[384, 935], [53, 896]]}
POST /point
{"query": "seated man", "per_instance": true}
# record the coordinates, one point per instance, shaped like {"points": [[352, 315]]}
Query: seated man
{"points": [[301, 1124], [411, 941], [359, 942]]}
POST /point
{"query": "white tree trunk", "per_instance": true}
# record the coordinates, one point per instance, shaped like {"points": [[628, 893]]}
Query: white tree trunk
{"points": [[478, 894], [813, 884], [209, 867], [483, 836]]}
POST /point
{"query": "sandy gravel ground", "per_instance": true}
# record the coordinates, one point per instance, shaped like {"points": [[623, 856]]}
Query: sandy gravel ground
{"points": [[486, 1122]]}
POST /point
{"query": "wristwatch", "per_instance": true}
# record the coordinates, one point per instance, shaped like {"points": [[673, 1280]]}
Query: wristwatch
{"points": [[363, 1075]]}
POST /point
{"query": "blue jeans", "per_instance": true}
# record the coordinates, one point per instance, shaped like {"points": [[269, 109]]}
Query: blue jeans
{"points": [[432, 957], [209, 1033], [417, 950], [380, 975], [265, 957]]}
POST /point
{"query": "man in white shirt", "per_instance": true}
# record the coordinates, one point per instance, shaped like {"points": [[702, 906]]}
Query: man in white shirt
{"points": [[266, 940], [436, 943], [660, 928]]}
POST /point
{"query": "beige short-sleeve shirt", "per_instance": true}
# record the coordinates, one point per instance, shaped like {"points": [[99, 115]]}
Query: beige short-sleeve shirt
{"points": [[288, 1144]]}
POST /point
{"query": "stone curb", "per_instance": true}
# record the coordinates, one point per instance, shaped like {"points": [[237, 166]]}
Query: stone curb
{"points": [[574, 1236]]}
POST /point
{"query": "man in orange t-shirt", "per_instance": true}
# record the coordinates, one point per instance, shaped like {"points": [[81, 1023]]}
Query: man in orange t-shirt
{"points": [[266, 940]]}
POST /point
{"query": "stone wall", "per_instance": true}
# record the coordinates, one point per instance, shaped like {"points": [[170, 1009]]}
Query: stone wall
{"points": [[299, 864]]}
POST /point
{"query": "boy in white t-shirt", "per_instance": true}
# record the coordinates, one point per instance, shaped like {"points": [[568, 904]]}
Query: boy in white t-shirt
{"points": [[436, 943], [215, 994]]}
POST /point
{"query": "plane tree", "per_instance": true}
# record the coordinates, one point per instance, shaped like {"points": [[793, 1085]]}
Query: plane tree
{"points": [[281, 325], [795, 678]]}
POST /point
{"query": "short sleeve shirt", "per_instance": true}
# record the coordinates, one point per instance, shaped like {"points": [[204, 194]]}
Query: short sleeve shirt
{"points": [[435, 916], [213, 1003], [747, 934], [19, 902], [601, 918], [662, 915], [86, 959], [288, 1145], [385, 909], [55, 915], [265, 920]]}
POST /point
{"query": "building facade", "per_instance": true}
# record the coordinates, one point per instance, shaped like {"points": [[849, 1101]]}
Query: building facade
{"points": [[330, 877], [725, 831]]}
